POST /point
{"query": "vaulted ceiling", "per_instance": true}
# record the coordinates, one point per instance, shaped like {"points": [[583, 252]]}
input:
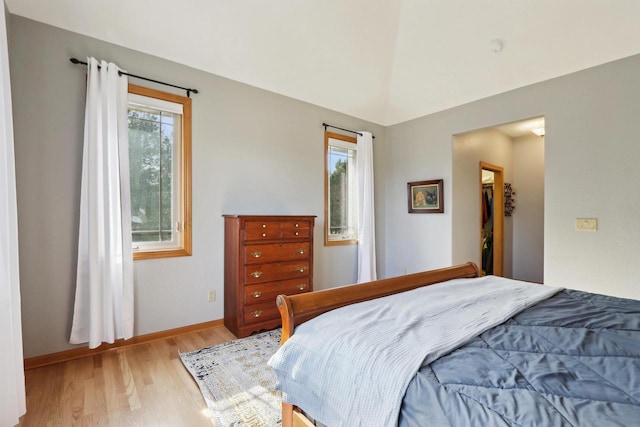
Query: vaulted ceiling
{"points": [[385, 61]]}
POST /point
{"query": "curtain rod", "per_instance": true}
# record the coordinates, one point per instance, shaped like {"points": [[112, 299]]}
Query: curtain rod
{"points": [[77, 61], [346, 130]]}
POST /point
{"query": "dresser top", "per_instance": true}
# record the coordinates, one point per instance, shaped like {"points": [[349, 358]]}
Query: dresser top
{"points": [[269, 216]]}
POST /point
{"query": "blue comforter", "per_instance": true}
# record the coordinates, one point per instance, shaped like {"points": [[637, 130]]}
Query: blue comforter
{"points": [[571, 360]]}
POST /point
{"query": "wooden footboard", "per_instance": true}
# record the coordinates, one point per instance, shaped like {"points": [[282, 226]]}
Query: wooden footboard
{"points": [[297, 309]]}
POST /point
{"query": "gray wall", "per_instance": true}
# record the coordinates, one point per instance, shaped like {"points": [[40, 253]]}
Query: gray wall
{"points": [[590, 160], [254, 152]]}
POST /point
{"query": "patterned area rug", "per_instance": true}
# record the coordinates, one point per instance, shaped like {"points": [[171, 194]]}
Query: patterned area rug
{"points": [[236, 381]]}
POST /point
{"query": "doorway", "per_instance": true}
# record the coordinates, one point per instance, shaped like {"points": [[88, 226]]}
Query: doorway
{"points": [[520, 152], [491, 218]]}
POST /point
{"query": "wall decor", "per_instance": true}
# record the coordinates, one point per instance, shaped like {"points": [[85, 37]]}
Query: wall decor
{"points": [[509, 199], [426, 196]]}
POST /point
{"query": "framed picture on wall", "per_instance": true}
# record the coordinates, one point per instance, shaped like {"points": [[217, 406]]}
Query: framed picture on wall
{"points": [[425, 196]]}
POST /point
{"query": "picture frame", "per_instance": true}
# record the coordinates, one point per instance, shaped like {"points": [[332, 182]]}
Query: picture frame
{"points": [[426, 196]]}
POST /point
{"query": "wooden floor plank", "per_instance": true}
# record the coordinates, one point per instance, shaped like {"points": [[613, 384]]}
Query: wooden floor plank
{"points": [[145, 384]]}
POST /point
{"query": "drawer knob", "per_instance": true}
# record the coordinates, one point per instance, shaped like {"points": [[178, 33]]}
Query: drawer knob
{"points": [[256, 254], [264, 225], [264, 234], [256, 294], [300, 269], [256, 313], [302, 286], [256, 274], [297, 233], [300, 251], [297, 225]]}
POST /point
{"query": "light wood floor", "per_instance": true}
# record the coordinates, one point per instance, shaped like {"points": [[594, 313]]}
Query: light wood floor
{"points": [[141, 385]]}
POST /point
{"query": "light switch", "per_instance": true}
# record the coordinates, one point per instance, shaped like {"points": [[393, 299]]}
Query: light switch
{"points": [[586, 224]]}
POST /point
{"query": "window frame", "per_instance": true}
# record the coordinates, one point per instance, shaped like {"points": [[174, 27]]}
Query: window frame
{"points": [[349, 139], [185, 246]]}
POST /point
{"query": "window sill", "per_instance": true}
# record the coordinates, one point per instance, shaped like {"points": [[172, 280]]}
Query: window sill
{"points": [[340, 242], [166, 253]]}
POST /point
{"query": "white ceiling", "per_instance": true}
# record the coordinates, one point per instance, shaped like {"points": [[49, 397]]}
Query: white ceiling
{"points": [[385, 61]]}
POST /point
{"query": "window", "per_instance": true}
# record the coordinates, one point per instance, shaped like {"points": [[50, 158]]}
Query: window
{"points": [[341, 213], [160, 173]]}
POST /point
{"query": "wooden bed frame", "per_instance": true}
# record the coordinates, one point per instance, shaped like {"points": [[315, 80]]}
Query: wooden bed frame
{"points": [[297, 309]]}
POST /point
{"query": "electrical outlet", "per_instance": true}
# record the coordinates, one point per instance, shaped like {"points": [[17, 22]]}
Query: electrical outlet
{"points": [[212, 296]]}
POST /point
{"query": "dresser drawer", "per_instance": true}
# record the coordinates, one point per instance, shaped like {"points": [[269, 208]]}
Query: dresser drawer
{"points": [[265, 292], [258, 273], [262, 230], [261, 312], [271, 230], [256, 254], [295, 233], [295, 229]]}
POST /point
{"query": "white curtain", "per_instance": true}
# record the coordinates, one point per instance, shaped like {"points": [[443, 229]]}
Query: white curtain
{"points": [[12, 392], [366, 219], [103, 308]]}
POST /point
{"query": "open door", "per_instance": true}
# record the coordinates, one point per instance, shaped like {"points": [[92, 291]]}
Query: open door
{"points": [[491, 218]]}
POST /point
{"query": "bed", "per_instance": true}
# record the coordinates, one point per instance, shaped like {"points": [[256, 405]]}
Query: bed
{"points": [[448, 347]]}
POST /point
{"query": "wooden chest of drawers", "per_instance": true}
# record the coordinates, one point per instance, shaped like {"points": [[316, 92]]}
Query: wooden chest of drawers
{"points": [[264, 256]]}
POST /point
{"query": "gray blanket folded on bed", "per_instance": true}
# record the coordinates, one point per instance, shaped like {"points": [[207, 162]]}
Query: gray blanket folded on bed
{"points": [[351, 366]]}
